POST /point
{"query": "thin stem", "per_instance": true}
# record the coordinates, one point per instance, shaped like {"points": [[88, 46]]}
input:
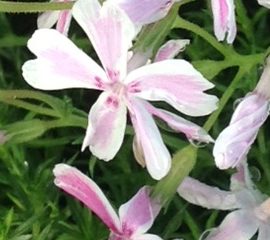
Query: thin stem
{"points": [[33, 7], [224, 99], [31, 107]]}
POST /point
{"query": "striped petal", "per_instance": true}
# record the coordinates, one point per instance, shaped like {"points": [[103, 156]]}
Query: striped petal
{"points": [[75, 183], [60, 64], [106, 126]]}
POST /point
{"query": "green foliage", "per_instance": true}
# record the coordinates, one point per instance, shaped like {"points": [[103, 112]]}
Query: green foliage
{"points": [[45, 128]]}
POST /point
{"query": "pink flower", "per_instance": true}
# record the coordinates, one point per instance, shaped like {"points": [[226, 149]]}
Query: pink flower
{"points": [[60, 64], [224, 19], [234, 142], [250, 209], [135, 216], [62, 19]]}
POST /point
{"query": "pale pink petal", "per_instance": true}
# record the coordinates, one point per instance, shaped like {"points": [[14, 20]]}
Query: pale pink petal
{"points": [[110, 32], [60, 64], [84, 189], [136, 215], [156, 155], [265, 3], [177, 83], [179, 124], [47, 19], [147, 237], [144, 11], [170, 49], [224, 19], [206, 196], [106, 126], [238, 225], [138, 59], [63, 22], [233, 143], [264, 231]]}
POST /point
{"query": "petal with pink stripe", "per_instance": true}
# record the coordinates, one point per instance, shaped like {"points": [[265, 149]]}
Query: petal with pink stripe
{"points": [[110, 32], [175, 82], [75, 183], [60, 64], [106, 126], [156, 155]]}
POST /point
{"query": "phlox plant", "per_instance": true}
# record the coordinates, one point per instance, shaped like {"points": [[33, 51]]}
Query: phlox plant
{"points": [[134, 120]]}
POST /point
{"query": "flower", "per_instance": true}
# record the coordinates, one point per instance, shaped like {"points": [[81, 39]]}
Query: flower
{"points": [[234, 142], [62, 19], [60, 64], [250, 209], [224, 19], [135, 216]]}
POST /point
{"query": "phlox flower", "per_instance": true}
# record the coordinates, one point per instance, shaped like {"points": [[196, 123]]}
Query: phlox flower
{"points": [[134, 218], [224, 19], [234, 142], [60, 64], [250, 208], [62, 19]]}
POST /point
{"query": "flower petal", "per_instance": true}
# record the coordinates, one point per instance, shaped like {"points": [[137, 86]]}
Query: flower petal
{"points": [[136, 215], [147, 237], [238, 225], [170, 49], [64, 22], [110, 32], [60, 64], [156, 155], [177, 83], [144, 11], [106, 126], [179, 124], [72, 181], [47, 19], [233, 143], [206, 196], [224, 19], [264, 232], [265, 3]]}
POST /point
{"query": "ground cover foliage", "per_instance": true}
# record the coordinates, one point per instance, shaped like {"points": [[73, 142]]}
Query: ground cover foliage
{"points": [[46, 128]]}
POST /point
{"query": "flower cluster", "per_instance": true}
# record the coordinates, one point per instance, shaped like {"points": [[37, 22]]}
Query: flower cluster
{"points": [[131, 82]]}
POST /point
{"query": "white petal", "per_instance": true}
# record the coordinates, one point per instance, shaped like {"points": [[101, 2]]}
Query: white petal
{"points": [[264, 232], [177, 83], [238, 225], [179, 124], [136, 215], [206, 196], [72, 181], [144, 11], [157, 156], [106, 126], [60, 64], [170, 49], [147, 237], [110, 32], [47, 19]]}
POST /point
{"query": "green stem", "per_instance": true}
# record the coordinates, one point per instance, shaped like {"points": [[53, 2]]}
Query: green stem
{"points": [[33, 7], [224, 99], [182, 23], [31, 107]]}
